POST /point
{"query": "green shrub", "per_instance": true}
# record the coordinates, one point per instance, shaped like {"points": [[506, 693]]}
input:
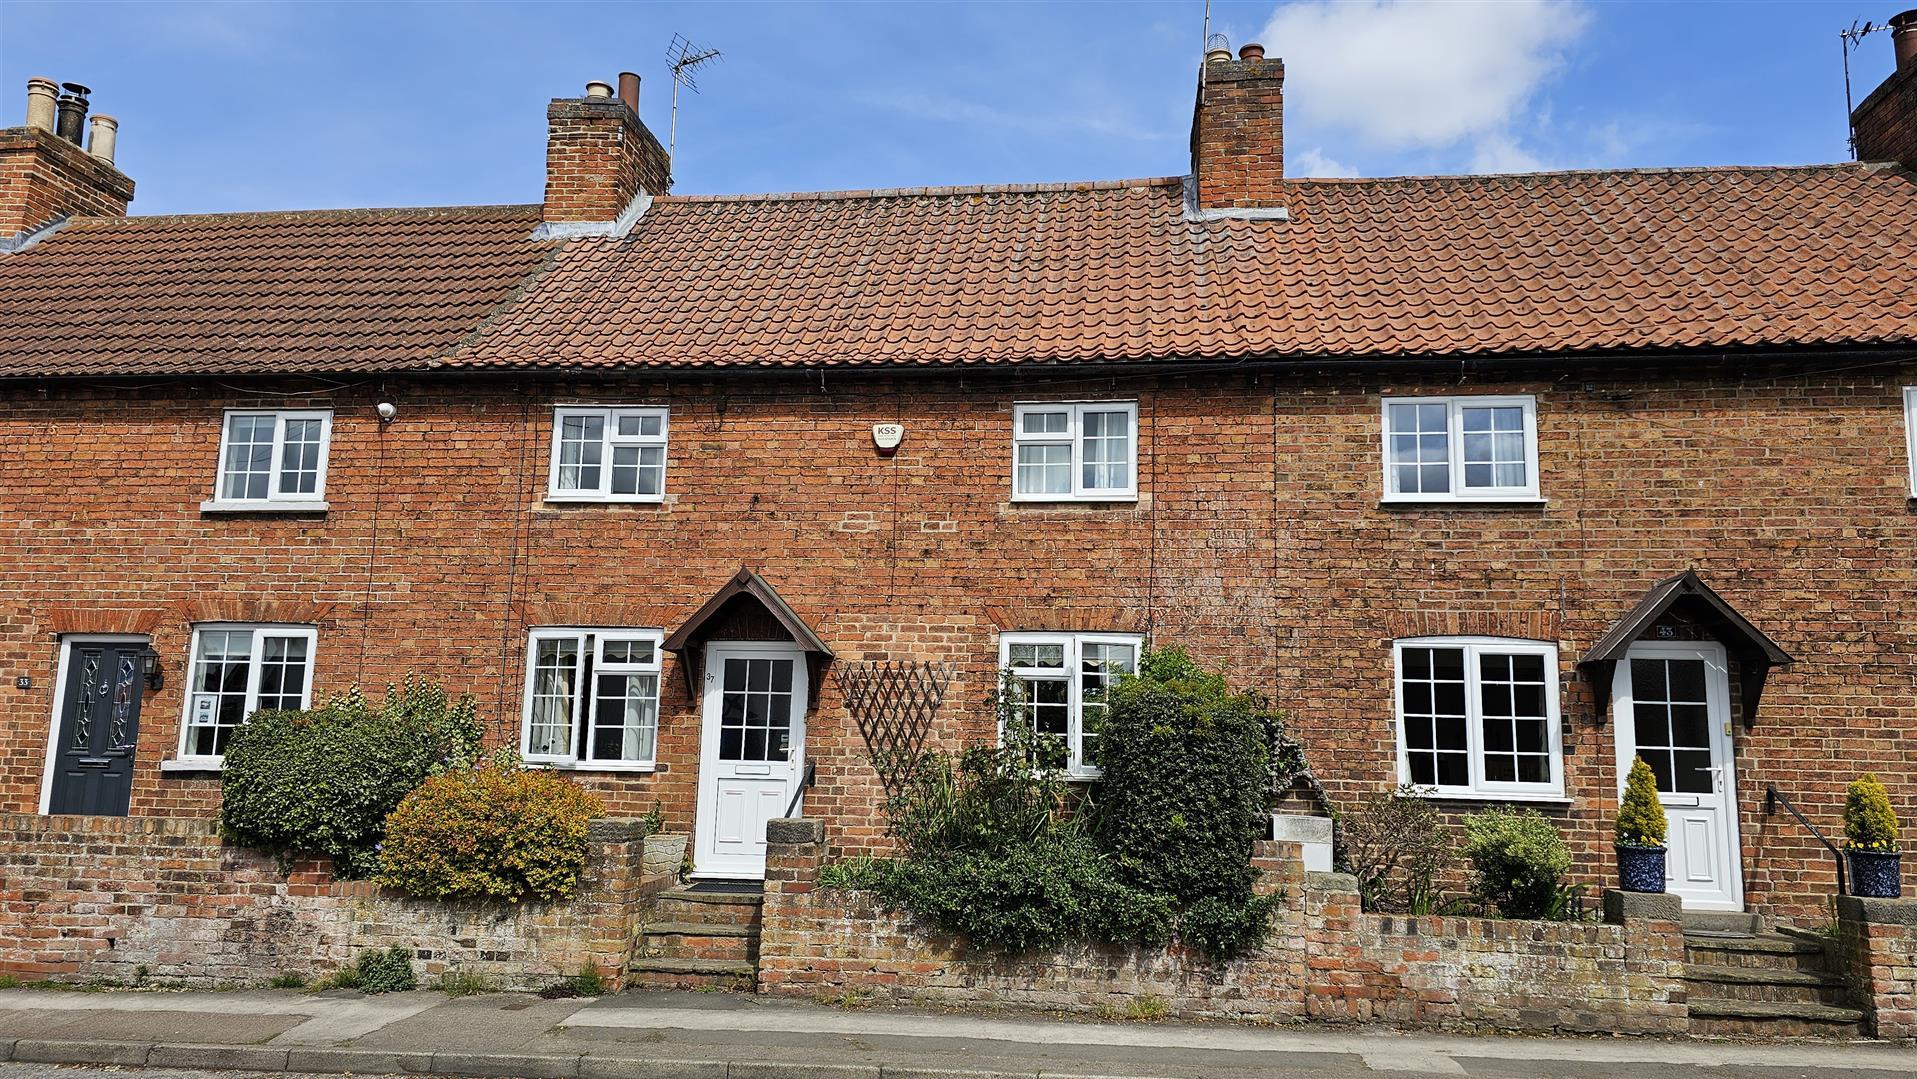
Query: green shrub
{"points": [[287, 980], [1395, 843], [1869, 822], [325, 779], [390, 971], [1187, 790], [1640, 816], [1032, 894], [489, 830], [1518, 861]]}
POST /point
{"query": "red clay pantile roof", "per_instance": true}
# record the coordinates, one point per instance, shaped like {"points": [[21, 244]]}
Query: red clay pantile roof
{"points": [[1579, 261], [1735, 258], [320, 291]]}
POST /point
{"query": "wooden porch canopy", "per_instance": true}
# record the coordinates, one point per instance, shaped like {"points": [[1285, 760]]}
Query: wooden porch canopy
{"points": [[745, 608], [1687, 595]]}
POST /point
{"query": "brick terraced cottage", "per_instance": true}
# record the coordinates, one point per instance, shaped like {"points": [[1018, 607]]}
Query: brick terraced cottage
{"points": [[1492, 481]]}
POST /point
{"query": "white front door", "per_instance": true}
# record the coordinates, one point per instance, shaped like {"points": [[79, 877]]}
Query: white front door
{"points": [[1673, 708], [752, 750]]}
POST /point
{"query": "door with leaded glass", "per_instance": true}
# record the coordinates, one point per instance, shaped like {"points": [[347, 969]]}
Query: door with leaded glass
{"points": [[96, 727]]}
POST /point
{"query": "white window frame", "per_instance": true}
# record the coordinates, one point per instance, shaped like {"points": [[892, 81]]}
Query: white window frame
{"points": [[1074, 436], [1910, 434], [611, 415], [1479, 787], [261, 632], [1073, 644], [1454, 435], [585, 702], [275, 500]]}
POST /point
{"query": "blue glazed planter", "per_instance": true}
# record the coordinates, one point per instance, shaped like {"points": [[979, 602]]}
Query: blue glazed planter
{"points": [[1874, 875], [1640, 869]]}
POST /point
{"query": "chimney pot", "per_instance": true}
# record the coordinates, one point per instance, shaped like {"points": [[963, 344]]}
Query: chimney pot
{"points": [[1903, 38], [598, 91], [1251, 51], [629, 90], [102, 136], [41, 97], [71, 112]]}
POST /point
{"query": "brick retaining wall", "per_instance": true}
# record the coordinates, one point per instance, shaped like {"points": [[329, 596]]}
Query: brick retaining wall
{"points": [[86, 898], [1325, 959], [1877, 953]]}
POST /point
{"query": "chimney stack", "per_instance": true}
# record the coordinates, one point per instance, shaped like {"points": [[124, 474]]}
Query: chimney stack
{"points": [[1884, 126], [599, 159], [44, 173], [1238, 130]]}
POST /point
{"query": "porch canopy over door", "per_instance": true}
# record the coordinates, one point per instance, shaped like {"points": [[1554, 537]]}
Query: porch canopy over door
{"points": [[1687, 596], [746, 608]]}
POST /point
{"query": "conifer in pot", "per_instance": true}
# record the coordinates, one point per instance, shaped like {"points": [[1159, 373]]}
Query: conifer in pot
{"points": [[1640, 832], [1870, 840]]}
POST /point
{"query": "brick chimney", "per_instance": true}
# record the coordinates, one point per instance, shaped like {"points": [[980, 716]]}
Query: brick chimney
{"points": [[1884, 126], [600, 157], [45, 174], [1238, 130]]}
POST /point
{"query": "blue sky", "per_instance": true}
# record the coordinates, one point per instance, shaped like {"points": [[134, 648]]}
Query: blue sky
{"points": [[244, 106]]}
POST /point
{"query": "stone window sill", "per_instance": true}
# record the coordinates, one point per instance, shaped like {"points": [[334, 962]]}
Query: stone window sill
{"points": [[193, 766], [231, 508]]}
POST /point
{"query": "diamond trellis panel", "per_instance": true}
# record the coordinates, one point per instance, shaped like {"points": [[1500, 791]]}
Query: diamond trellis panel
{"points": [[895, 704]]}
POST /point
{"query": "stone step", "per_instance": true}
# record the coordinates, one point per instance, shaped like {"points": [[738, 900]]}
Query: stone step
{"points": [[1768, 1019], [1765, 951], [705, 908], [1727, 923], [705, 974], [1711, 981], [681, 940], [699, 929]]}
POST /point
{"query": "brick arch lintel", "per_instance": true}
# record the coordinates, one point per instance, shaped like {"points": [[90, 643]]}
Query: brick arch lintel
{"points": [[1059, 618], [1521, 625]]}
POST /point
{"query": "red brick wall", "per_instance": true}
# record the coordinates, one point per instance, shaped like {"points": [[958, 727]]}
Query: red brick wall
{"points": [[1324, 959], [1886, 123], [120, 899], [43, 175], [1257, 541], [598, 158], [1238, 134]]}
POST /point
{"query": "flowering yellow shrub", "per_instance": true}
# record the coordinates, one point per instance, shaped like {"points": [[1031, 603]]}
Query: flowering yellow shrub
{"points": [[1869, 822], [490, 831]]}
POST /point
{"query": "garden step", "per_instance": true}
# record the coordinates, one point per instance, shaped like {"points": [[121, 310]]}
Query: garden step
{"points": [[1711, 981], [694, 894], [1771, 951], [707, 974], [1775, 1019], [1720, 923], [705, 909], [699, 929]]}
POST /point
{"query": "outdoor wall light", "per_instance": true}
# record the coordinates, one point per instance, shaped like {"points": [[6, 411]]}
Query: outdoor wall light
{"points": [[150, 666], [387, 410]]}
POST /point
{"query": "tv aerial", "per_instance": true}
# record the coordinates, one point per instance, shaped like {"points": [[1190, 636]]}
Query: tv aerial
{"points": [[686, 58], [1852, 37]]}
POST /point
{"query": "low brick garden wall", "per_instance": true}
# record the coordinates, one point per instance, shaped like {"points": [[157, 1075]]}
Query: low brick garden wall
{"points": [[1325, 959], [1877, 953], [163, 898]]}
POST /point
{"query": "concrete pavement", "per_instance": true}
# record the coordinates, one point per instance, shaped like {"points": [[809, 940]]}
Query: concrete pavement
{"points": [[732, 1036]]}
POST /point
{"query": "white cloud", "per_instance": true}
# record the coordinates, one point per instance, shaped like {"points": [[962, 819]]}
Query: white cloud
{"points": [[1499, 152], [1400, 75], [1313, 162]]}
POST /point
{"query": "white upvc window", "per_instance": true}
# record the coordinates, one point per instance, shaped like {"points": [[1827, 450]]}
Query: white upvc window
{"points": [[1064, 678], [592, 698], [1478, 717], [1085, 451], [273, 460], [237, 670], [1459, 449], [608, 455], [1910, 434]]}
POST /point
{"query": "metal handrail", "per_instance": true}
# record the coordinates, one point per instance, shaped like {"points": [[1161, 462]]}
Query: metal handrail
{"points": [[811, 773], [1771, 799]]}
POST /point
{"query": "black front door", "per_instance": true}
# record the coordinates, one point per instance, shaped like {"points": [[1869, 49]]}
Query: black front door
{"points": [[99, 724]]}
